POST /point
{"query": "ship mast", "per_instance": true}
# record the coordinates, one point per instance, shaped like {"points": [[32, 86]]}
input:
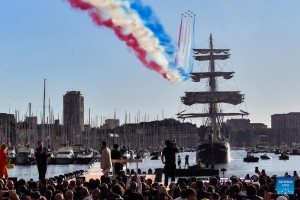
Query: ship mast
{"points": [[212, 97], [212, 84]]}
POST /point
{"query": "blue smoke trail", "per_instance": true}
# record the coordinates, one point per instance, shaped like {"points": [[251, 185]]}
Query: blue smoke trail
{"points": [[151, 22]]}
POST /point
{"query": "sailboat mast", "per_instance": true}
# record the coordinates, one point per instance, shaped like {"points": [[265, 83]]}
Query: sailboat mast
{"points": [[44, 111], [212, 85]]}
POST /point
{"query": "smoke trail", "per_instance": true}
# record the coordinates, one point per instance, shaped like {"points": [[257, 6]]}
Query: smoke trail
{"points": [[186, 42], [191, 62], [129, 28], [179, 41], [151, 21]]}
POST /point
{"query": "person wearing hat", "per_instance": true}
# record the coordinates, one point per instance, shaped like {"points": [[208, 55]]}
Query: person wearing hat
{"points": [[3, 162]]}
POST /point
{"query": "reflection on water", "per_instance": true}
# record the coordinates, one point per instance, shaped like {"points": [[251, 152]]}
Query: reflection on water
{"points": [[235, 166], [31, 172]]}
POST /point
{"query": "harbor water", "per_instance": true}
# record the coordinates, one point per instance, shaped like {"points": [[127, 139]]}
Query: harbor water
{"points": [[235, 166]]}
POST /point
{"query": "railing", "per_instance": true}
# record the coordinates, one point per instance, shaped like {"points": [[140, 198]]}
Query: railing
{"points": [[127, 161], [88, 166]]}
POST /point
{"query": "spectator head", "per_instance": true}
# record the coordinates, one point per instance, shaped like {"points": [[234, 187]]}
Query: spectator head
{"points": [[214, 196], [176, 193], [116, 146], [193, 185], [10, 185], [118, 189], [52, 188], [72, 184], [69, 195], [22, 189], [251, 190], [35, 195], [65, 184], [84, 192], [199, 184], [96, 194], [21, 182], [59, 196], [78, 182], [162, 190], [48, 194], [133, 186]]}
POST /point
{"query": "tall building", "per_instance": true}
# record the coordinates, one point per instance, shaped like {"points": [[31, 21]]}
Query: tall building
{"points": [[73, 115], [287, 128], [7, 128]]}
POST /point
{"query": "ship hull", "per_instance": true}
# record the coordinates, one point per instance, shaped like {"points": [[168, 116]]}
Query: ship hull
{"points": [[215, 152], [64, 161]]}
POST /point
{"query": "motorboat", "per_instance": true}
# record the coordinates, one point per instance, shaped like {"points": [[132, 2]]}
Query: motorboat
{"points": [[251, 158], [155, 157], [284, 156], [25, 156], [84, 156], [265, 157], [64, 155], [11, 154]]}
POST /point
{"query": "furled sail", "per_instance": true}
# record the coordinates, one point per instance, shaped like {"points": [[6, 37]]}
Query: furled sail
{"points": [[212, 57], [196, 115], [206, 51], [197, 76], [231, 97]]}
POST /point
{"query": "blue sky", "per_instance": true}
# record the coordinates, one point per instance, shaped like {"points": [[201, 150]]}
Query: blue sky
{"points": [[49, 39]]}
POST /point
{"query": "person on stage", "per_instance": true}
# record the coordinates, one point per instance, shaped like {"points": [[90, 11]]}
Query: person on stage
{"points": [[168, 157], [3, 162], [41, 156], [116, 154], [105, 159]]}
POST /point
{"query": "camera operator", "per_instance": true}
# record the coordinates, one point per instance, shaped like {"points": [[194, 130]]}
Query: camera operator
{"points": [[169, 159]]}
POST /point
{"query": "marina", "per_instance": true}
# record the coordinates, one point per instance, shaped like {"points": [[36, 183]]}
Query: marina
{"points": [[154, 82], [235, 166]]}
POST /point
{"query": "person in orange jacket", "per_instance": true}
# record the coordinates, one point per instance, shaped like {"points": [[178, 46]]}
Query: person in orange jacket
{"points": [[3, 162]]}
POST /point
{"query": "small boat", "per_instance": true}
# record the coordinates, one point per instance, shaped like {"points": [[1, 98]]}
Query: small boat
{"points": [[155, 157], [126, 155], [251, 158], [11, 154], [25, 156], [65, 155], [265, 157], [84, 156], [284, 156]]}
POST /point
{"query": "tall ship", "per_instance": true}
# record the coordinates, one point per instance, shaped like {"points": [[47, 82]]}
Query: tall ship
{"points": [[213, 138]]}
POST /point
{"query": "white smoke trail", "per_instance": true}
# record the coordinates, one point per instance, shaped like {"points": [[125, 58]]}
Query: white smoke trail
{"points": [[122, 15]]}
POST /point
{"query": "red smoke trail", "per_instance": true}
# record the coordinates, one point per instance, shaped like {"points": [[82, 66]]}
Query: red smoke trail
{"points": [[129, 39], [80, 4]]}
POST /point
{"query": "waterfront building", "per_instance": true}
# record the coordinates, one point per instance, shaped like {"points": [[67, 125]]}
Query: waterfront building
{"points": [[73, 116], [287, 128], [153, 134], [31, 133], [8, 128], [246, 134]]}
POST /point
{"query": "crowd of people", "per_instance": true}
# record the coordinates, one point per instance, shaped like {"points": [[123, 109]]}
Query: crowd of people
{"points": [[137, 187], [133, 186]]}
